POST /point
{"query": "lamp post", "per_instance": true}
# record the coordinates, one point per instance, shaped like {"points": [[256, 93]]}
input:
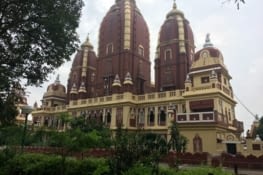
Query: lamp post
{"points": [[26, 110]]}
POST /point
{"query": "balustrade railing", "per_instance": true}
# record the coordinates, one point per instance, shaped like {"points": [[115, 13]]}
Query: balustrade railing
{"points": [[197, 117]]}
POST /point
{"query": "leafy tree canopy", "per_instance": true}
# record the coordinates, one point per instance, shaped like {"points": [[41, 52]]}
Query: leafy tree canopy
{"points": [[36, 37], [8, 110]]}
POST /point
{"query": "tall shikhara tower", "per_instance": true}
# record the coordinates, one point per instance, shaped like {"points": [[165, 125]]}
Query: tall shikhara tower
{"points": [[174, 53], [123, 52]]}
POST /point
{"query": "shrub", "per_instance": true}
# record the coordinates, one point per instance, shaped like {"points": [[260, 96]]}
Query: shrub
{"points": [[39, 164], [138, 170], [197, 171]]}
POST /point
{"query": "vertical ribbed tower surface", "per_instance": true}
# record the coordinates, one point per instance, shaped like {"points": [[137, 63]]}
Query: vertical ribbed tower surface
{"points": [[81, 81], [175, 51], [123, 49]]}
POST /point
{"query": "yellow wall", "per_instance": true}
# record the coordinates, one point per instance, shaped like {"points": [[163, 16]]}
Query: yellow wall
{"points": [[208, 138]]}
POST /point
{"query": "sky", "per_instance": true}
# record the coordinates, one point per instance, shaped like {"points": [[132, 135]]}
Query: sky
{"points": [[238, 34]]}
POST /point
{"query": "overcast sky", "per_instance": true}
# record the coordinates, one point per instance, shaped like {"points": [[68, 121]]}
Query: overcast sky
{"points": [[237, 33]]}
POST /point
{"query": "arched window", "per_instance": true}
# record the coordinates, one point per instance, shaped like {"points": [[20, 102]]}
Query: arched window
{"points": [[132, 117], [141, 50], [119, 116], [197, 143], [108, 118], [151, 117], [109, 49], [100, 117], [167, 54], [141, 117], [162, 117]]}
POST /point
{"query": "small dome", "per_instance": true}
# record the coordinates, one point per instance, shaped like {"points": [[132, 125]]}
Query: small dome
{"points": [[208, 56], [176, 29], [55, 90]]}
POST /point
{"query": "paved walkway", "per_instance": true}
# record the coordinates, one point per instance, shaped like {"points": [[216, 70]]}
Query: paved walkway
{"points": [[247, 171], [240, 171]]}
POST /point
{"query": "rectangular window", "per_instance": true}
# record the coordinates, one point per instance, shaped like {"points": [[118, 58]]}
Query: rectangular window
{"points": [[256, 147], [204, 80], [225, 81]]}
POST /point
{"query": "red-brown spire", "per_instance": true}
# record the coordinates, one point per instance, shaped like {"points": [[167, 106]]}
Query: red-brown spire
{"points": [[123, 47], [175, 51]]}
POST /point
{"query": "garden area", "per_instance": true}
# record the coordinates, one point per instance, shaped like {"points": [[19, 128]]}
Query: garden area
{"points": [[62, 153]]}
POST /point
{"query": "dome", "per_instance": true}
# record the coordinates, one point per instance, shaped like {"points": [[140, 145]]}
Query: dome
{"points": [[87, 43], [55, 90], [174, 12], [209, 56], [176, 27]]}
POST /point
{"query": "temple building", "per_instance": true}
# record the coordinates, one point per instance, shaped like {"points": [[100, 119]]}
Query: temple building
{"points": [[114, 85]]}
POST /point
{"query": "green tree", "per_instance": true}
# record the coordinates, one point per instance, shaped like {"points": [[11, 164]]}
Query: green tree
{"points": [[137, 148], [260, 128], [11, 135], [36, 37], [154, 147], [65, 119], [177, 142], [8, 110]]}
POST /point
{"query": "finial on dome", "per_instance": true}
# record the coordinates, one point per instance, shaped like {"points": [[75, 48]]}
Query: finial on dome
{"points": [[174, 12], [35, 105], [87, 42], [208, 41], [174, 5], [57, 81]]}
